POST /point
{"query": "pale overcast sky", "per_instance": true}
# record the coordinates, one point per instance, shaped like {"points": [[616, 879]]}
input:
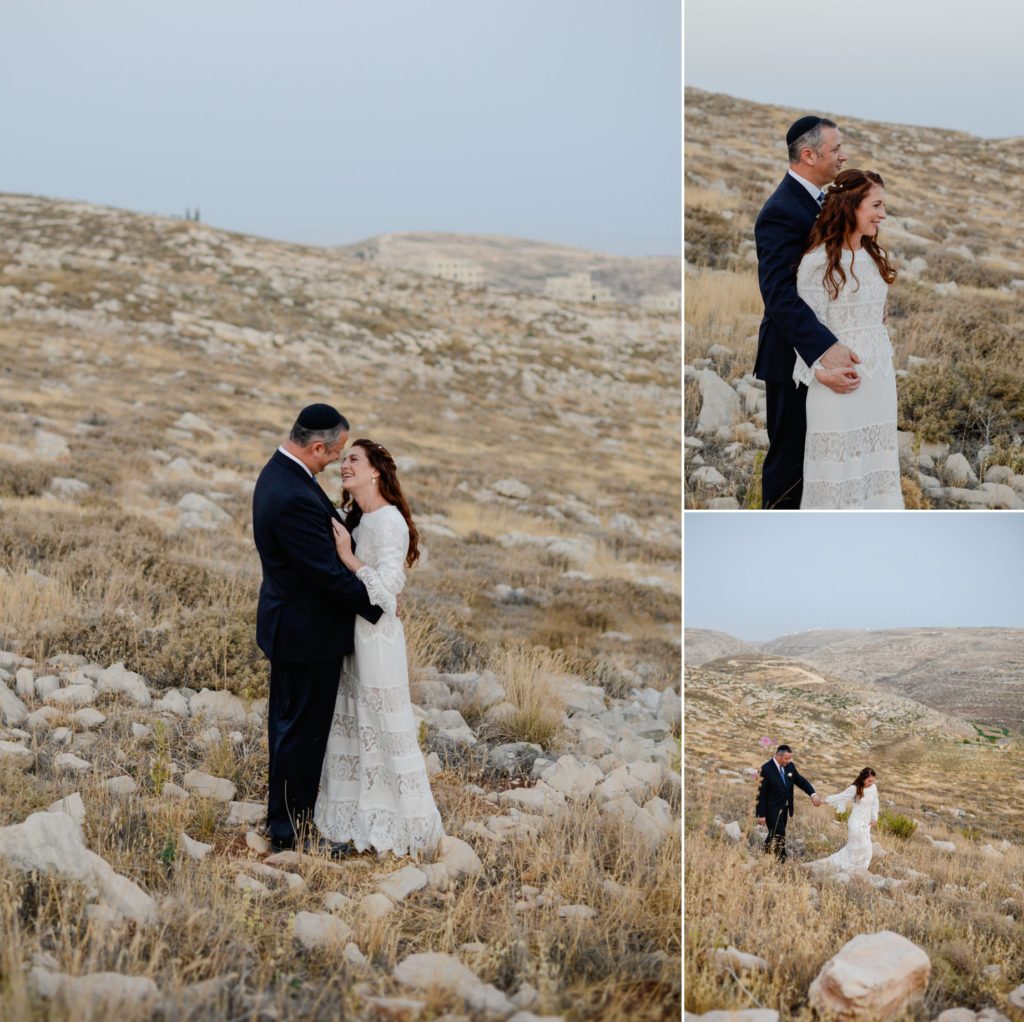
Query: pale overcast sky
{"points": [[941, 63], [759, 576], [329, 121]]}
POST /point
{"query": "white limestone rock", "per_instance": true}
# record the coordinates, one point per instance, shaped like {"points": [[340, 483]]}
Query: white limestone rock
{"points": [[68, 763], [71, 805], [398, 886], [73, 695], [120, 681], [247, 813], [172, 702], [193, 849], [376, 906], [209, 786], [320, 929], [14, 752], [123, 785], [218, 707], [720, 404], [732, 958], [575, 780], [52, 841], [88, 717], [874, 976]]}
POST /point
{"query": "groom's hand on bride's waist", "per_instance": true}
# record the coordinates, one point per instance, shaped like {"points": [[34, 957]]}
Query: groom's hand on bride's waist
{"points": [[839, 356], [842, 381]]}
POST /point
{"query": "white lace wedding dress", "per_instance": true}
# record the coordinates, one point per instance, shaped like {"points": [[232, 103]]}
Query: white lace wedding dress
{"points": [[856, 853], [850, 454], [374, 790]]}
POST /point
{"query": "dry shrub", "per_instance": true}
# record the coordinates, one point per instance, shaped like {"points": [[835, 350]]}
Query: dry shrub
{"points": [[529, 676], [22, 478], [969, 404], [712, 239]]}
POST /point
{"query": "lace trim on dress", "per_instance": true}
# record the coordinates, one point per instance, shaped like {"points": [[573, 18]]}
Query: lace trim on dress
{"points": [[821, 493], [382, 829], [850, 444]]}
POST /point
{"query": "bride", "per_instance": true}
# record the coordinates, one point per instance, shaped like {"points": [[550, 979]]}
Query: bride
{"points": [[374, 791], [856, 853], [850, 454]]}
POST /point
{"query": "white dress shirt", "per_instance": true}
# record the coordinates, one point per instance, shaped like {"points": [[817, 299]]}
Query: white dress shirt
{"points": [[812, 189], [305, 468]]}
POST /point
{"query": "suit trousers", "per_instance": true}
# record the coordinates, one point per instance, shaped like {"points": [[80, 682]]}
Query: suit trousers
{"points": [[775, 843], [782, 476], [299, 714]]}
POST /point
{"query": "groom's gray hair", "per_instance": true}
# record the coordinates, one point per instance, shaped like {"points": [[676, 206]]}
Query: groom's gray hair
{"points": [[809, 140], [304, 437]]}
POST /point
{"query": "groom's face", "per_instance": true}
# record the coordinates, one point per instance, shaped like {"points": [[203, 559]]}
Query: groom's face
{"points": [[784, 758], [829, 158], [324, 455]]}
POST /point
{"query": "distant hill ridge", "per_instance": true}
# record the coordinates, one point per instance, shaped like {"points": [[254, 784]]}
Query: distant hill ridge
{"points": [[521, 264], [970, 673]]}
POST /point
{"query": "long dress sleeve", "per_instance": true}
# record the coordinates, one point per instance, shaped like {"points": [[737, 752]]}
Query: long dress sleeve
{"points": [[810, 286], [386, 579], [841, 800], [874, 804]]}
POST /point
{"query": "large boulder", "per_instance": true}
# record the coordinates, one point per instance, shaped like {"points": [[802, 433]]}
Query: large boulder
{"points": [[117, 679], [52, 842], [218, 707], [873, 977], [720, 404]]}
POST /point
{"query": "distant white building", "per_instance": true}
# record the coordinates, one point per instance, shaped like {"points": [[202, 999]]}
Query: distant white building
{"points": [[667, 301], [461, 271], [576, 287]]}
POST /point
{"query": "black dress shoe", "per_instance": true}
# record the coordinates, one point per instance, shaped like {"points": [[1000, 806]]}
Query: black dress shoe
{"points": [[332, 849], [285, 845]]}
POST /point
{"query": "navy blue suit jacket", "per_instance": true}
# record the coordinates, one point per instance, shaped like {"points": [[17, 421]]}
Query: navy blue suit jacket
{"points": [[308, 599], [774, 797], [781, 231]]}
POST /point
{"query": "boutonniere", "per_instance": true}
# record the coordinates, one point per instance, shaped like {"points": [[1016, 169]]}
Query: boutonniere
{"points": [[789, 773]]}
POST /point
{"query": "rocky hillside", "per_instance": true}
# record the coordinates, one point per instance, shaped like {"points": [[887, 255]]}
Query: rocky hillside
{"points": [[521, 265], [150, 367], [703, 644], [974, 674], [956, 314], [936, 916]]}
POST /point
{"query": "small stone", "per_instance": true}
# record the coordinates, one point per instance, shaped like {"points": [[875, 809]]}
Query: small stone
{"points": [[376, 906], [247, 813], [73, 695], [398, 886], [194, 849], [66, 763], [458, 857], [335, 901], [141, 730], [172, 790], [257, 842], [123, 785], [320, 929], [251, 884], [209, 786], [354, 956], [576, 912], [71, 805]]}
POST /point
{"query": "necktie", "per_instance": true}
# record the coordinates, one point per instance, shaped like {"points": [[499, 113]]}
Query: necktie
{"points": [[821, 198], [782, 770]]}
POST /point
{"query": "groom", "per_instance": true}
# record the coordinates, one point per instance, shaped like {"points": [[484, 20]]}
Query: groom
{"points": [[789, 326], [775, 798], [306, 614]]}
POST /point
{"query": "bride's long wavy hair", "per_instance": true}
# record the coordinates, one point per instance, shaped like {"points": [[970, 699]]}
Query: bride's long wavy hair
{"points": [[838, 220], [389, 488], [861, 778]]}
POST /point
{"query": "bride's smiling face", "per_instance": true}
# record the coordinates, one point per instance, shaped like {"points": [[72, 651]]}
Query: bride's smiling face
{"points": [[871, 212], [869, 782], [356, 471]]}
